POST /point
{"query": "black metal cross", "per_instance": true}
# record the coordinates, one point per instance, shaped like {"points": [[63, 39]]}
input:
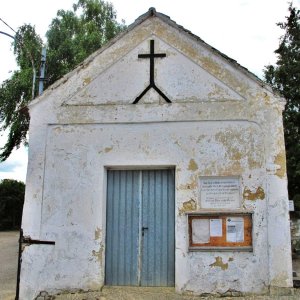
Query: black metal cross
{"points": [[152, 56]]}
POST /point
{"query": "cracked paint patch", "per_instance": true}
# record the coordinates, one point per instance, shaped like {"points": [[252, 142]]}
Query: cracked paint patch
{"points": [[189, 186], [108, 149], [280, 160], [258, 194], [44, 295], [219, 263], [98, 232], [98, 254], [188, 206], [87, 80], [193, 165]]}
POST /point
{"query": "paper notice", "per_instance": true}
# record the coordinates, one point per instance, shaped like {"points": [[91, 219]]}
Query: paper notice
{"points": [[215, 226], [200, 229], [235, 230]]}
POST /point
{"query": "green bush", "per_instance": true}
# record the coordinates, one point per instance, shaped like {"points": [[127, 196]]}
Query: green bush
{"points": [[297, 202], [11, 203]]}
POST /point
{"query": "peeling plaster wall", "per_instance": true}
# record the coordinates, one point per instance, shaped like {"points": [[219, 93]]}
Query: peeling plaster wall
{"points": [[221, 123]]}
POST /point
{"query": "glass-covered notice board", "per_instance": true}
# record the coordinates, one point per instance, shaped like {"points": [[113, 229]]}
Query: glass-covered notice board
{"points": [[224, 231]]}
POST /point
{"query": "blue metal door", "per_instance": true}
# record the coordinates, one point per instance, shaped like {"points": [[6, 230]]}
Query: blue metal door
{"points": [[140, 228]]}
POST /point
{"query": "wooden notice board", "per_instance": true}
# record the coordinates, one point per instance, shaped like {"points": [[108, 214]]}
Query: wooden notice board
{"points": [[220, 231]]}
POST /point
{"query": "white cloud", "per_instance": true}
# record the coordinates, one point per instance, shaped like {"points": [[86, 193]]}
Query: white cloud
{"points": [[15, 166]]}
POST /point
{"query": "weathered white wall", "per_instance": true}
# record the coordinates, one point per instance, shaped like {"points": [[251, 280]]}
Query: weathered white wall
{"points": [[221, 123]]}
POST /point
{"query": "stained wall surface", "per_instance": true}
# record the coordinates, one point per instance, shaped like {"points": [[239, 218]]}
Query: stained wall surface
{"points": [[221, 122]]}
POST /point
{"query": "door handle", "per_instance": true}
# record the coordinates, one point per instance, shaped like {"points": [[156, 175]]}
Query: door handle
{"points": [[143, 230]]}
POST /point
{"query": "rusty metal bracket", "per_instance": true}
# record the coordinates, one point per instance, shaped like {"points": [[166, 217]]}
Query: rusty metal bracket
{"points": [[28, 241]]}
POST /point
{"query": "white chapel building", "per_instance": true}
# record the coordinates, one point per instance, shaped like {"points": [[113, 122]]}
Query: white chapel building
{"points": [[157, 162]]}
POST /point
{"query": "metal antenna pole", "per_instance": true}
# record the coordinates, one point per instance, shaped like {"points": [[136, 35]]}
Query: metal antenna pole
{"points": [[42, 71], [31, 59]]}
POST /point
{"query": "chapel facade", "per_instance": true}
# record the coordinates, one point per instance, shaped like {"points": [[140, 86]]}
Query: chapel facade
{"points": [[158, 161]]}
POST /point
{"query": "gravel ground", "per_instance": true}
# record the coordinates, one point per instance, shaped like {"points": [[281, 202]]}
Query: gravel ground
{"points": [[128, 293], [8, 263]]}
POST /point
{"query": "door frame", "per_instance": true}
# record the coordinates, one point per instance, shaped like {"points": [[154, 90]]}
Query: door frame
{"points": [[104, 211]]}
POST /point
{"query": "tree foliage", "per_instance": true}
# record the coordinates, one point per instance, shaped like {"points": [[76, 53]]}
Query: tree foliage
{"points": [[16, 92], [72, 36], [11, 203], [285, 77]]}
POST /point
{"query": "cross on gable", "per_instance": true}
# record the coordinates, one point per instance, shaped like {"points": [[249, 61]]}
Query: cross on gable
{"points": [[152, 84], [152, 55]]}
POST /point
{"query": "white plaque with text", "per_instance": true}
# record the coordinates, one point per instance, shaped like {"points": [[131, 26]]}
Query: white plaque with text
{"points": [[220, 192]]}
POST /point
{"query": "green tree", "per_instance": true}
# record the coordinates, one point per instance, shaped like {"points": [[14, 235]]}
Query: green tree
{"points": [[16, 92], [11, 203], [285, 77], [72, 36]]}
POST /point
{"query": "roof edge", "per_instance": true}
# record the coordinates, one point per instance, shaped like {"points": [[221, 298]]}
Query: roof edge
{"points": [[150, 13], [243, 69], [153, 13]]}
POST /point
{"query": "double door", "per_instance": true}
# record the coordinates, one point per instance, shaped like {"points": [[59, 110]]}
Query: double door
{"points": [[140, 228]]}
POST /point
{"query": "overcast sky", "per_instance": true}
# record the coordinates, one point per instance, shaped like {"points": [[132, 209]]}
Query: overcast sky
{"points": [[244, 30]]}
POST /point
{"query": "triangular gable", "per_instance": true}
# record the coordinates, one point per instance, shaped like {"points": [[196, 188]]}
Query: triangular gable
{"points": [[191, 71], [176, 76]]}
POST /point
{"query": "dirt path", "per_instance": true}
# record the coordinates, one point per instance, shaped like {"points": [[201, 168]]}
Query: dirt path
{"points": [[8, 264]]}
